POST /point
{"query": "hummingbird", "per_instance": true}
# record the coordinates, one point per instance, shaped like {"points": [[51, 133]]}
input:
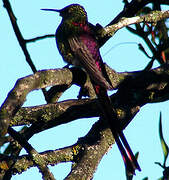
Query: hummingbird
{"points": [[78, 45]]}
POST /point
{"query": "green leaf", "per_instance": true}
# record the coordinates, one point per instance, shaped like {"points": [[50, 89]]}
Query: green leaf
{"points": [[163, 143]]}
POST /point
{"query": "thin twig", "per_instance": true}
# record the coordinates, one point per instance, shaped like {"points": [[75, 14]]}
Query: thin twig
{"points": [[21, 40], [18, 34], [39, 38]]}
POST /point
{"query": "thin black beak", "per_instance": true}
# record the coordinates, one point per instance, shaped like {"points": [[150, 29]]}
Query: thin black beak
{"points": [[56, 10]]}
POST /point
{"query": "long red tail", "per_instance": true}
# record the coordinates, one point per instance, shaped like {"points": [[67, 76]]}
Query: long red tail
{"points": [[109, 115]]}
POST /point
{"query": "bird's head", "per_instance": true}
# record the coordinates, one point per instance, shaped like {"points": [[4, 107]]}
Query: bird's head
{"points": [[73, 10]]}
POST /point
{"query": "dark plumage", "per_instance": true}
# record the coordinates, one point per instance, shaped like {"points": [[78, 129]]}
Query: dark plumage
{"points": [[77, 44]]}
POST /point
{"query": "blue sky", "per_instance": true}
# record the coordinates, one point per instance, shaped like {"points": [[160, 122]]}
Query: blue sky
{"points": [[142, 133]]}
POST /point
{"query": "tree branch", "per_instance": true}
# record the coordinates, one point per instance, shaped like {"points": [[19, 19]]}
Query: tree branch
{"points": [[39, 38], [23, 86], [35, 156], [85, 159], [130, 10], [152, 17], [18, 34], [100, 138], [132, 89], [22, 42], [48, 157]]}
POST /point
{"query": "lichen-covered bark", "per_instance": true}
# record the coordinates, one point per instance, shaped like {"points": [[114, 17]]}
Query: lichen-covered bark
{"points": [[23, 86]]}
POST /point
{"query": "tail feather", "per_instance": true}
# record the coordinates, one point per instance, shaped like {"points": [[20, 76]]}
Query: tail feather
{"points": [[129, 151], [127, 161], [109, 115]]}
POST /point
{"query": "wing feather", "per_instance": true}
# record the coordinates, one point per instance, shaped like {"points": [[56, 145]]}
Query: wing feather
{"points": [[86, 60]]}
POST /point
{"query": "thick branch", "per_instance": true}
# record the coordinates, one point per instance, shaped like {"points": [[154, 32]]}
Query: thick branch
{"points": [[152, 17], [23, 86], [85, 158], [130, 10], [133, 7], [134, 92], [101, 139], [35, 156], [48, 157]]}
